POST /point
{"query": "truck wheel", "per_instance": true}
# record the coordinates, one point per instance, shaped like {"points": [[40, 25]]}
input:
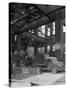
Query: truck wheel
{"points": [[54, 70]]}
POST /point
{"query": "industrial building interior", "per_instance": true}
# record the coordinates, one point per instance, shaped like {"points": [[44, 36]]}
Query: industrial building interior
{"points": [[37, 44]]}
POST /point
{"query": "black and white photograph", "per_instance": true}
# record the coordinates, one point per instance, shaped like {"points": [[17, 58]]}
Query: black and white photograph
{"points": [[36, 44]]}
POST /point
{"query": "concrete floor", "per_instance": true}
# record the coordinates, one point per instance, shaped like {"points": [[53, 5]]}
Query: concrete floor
{"points": [[41, 80]]}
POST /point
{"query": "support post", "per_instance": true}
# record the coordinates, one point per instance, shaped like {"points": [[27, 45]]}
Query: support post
{"points": [[59, 38], [19, 43], [35, 48], [46, 37], [51, 36]]}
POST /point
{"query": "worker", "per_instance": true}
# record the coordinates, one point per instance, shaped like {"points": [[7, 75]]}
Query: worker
{"points": [[30, 54]]}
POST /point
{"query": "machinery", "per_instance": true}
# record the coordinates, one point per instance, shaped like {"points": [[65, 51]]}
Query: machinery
{"points": [[52, 64]]}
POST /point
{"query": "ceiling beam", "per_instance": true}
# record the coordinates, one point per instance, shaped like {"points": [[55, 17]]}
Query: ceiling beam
{"points": [[42, 11], [23, 15], [36, 38], [63, 7], [35, 24], [58, 13], [44, 20]]}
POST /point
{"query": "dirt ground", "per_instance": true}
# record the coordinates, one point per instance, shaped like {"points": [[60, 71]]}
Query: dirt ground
{"points": [[40, 80]]}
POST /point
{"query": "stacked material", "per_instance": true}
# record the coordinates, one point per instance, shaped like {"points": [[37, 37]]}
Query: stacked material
{"points": [[25, 72]]}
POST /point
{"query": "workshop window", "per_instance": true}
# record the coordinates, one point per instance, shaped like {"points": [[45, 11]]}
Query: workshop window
{"points": [[64, 28], [32, 31], [42, 31], [41, 50], [48, 32], [29, 30], [43, 27], [39, 33], [53, 28], [53, 48], [48, 47], [15, 37]]}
